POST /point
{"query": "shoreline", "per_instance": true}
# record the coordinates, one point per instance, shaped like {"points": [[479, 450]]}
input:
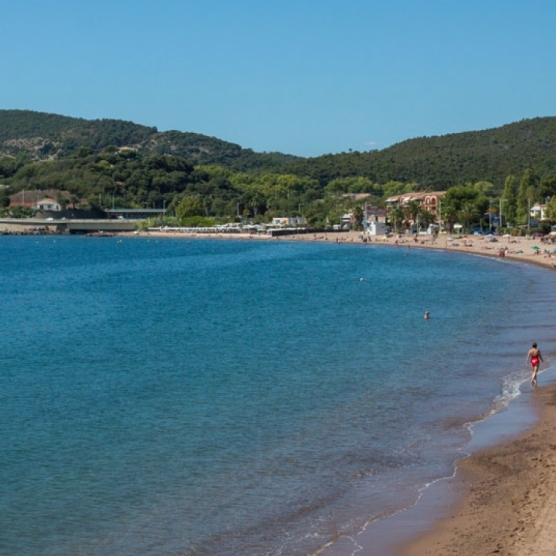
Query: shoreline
{"points": [[501, 500], [516, 249], [503, 496]]}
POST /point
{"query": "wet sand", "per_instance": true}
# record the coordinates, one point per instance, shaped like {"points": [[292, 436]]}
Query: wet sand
{"points": [[508, 497]]}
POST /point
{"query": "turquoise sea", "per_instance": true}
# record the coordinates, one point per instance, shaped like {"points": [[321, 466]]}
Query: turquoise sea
{"points": [[223, 398]]}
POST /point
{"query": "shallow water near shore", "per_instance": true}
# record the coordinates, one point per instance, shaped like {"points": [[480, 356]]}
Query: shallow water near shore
{"points": [[226, 397]]}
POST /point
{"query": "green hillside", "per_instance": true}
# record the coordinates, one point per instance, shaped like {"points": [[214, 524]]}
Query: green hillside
{"points": [[104, 163], [42, 136], [445, 161], [431, 162]]}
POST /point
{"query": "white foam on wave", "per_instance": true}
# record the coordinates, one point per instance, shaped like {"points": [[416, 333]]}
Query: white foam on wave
{"points": [[511, 413], [512, 389]]}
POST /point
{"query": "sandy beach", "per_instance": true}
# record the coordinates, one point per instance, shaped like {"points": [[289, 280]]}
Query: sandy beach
{"points": [[520, 249], [508, 497], [507, 493]]}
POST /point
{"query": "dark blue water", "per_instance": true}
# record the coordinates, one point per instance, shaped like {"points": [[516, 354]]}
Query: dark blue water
{"points": [[180, 397]]}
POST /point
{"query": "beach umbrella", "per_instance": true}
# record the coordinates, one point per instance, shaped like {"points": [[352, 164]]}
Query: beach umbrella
{"points": [[535, 247], [507, 235]]}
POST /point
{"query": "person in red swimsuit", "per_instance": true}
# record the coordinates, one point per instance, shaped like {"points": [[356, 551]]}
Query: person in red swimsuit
{"points": [[534, 357]]}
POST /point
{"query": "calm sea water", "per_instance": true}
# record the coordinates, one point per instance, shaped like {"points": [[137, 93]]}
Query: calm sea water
{"points": [[181, 397]]}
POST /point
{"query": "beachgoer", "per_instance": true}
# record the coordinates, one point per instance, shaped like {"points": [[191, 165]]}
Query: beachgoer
{"points": [[534, 357], [426, 315]]}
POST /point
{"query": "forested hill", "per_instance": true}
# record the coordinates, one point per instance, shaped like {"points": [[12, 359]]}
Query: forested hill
{"points": [[444, 161], [45, 136], [430, 162]]}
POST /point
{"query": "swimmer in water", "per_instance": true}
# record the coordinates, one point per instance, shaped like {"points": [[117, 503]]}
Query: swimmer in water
{"points": [[534, 357]]}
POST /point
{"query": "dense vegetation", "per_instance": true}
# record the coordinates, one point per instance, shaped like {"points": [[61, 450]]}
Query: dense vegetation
{"points": [[106, 163], [46, 136], [441, 162]]}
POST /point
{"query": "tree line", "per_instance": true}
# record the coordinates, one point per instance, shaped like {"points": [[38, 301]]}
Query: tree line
{"points": [[113, 163], [118, 178]]}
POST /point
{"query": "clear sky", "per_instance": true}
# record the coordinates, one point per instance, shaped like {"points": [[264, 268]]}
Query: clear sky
{"points": [[304, 77]]}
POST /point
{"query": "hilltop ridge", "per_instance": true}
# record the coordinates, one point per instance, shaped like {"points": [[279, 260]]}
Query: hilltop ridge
{"points": [[46, 136], [437, 161]]}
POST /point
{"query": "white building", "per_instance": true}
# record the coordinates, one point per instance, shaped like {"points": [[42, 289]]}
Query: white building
{"points": [[49, 204], [538, 211], [288, 222], [376, 228]]}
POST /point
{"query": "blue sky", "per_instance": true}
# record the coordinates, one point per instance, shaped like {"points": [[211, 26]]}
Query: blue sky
{"points": [[303, 77]]}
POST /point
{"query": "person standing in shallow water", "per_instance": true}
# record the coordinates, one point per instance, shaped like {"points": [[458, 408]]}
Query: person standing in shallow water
{"points": [[534, 357]]}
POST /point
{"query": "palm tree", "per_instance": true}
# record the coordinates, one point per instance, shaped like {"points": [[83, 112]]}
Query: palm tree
{"points": [[449, 216], [425, 217], [358, 217], [397, 216], [412, 210], [468, 214]]}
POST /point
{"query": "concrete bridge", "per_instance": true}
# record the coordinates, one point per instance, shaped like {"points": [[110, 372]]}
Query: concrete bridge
{"points": [[63, 225]]}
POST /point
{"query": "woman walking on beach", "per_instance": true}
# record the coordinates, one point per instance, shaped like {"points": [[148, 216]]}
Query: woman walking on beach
{"points": [[534, 357]]}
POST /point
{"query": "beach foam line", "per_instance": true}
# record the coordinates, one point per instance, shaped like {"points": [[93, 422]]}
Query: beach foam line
{"points": [[509, 493]]}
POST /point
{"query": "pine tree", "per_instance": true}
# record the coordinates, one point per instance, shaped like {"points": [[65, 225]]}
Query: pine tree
{"points": [[526, 195], [509, 199]]}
